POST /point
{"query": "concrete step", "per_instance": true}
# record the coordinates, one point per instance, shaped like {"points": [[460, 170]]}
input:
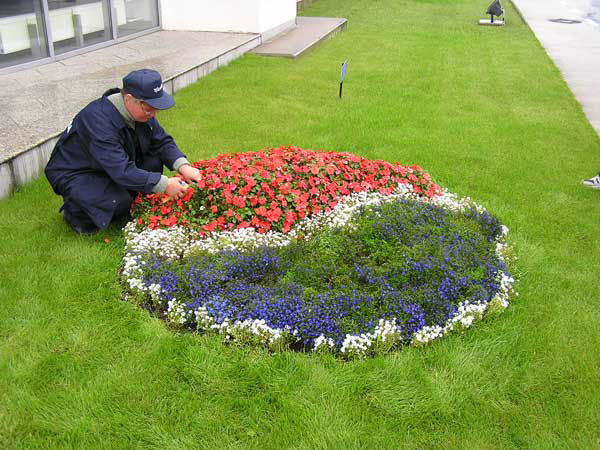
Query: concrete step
{"points": [[309, 31]]}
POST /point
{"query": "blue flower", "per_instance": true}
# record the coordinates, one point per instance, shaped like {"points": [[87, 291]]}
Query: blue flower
{"points": [[407, 261]]}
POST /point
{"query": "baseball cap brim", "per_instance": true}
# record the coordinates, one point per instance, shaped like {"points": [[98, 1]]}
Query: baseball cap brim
{"points": [[165, 101]]}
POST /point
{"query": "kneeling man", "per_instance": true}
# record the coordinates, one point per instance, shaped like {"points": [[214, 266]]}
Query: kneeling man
{"points": [[113, 149]]}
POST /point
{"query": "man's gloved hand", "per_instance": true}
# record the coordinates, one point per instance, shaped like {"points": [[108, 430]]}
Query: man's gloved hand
{"points": [[190, 173], [176, 188]]}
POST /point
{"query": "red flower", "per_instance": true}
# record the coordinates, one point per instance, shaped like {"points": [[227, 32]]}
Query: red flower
{"points": [[210, 226], [169, 222], [290, 216], [274, 214], [240, 202], [188, 195], [287, 178]]}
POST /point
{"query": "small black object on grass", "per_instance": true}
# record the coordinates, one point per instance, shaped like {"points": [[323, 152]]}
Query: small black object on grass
{"points": [[495, 9]]}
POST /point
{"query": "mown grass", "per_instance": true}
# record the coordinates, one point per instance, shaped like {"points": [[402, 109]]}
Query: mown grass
{"points": [[484, 111]]}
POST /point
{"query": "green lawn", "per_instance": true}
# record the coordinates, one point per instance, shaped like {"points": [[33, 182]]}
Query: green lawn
{"points": [[485, 111]]}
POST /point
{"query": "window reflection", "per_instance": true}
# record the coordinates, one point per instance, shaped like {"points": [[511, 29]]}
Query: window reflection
{"points": [[78, 23], [22, 34], [135, 15], [72, 24]]}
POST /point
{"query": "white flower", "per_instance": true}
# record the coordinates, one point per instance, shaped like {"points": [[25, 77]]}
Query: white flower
{"points": [[176, 312], [178, 242]]}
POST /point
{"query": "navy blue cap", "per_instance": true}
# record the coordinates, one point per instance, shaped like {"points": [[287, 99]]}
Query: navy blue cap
{"points": [[146, 85]]}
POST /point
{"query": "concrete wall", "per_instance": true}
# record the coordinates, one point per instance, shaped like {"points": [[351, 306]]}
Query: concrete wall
{"points": [[244, 16]]}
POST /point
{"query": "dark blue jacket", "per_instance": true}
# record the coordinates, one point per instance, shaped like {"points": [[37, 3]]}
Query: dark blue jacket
{"points": [[98, 158]]}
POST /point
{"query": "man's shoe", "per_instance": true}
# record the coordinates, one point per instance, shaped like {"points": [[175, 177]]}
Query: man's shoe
{"points": [[594, 183], [77, 226], [121, 221]]}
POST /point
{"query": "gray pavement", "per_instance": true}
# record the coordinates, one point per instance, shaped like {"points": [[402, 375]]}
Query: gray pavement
{"points": [[569, 30], [309, 31], [38, 103]]}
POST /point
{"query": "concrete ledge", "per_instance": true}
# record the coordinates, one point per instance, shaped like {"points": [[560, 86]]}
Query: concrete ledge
{"points": [[495, 23], [7, 181], [25, 167], [309, 32], [29, 165], [283, 28]]}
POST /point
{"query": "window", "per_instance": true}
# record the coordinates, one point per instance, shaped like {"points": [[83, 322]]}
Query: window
{"points": [[135, 15], [78, 23], [26, 26], [22, 32]]}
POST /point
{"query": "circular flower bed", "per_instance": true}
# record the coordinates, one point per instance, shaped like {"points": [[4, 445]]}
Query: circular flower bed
{"points": [[292, 248]]}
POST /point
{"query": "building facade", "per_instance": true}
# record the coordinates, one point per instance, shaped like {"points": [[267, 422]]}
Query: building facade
{"points": [[37, 31]]}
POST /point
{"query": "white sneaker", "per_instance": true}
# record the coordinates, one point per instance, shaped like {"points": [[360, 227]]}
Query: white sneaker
{"points": [[594, 183]]}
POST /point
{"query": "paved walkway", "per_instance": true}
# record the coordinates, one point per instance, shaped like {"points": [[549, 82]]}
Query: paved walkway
{"points": [[569, 30], [309, 31], [39, 102]]}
